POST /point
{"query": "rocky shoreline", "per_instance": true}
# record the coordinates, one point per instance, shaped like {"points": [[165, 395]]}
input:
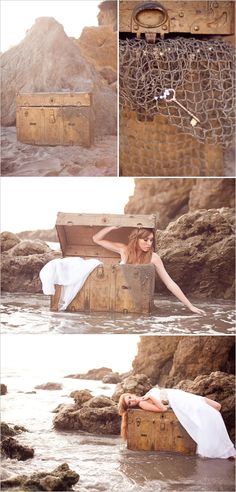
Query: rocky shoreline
{"points": [[197, 250]]}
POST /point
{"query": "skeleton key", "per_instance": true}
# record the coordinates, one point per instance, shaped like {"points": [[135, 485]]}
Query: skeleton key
{"points": [[169, 95]]}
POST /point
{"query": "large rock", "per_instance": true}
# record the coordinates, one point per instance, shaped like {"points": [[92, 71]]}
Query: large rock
{"points": [[108, 14], [212, 193], [14, 450], [138, 384], [28, 247], [21, 264], [94, 374], [7, 431], [168, 360], [56, 65], [170, 198], [61, 478], [198, 253], [99, 46], [218, 386], [80, 397], [49, 386], [3, 389], [98, 415], [8, 240]]}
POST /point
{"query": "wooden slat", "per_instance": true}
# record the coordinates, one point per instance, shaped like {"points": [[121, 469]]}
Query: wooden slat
{"points": [[69, 219], [54, 99]]}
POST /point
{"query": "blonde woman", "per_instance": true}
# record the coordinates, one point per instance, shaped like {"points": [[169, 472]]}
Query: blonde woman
{"points": [[140, 250], [200, 416]]}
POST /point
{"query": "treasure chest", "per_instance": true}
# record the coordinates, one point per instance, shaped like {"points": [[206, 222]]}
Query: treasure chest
{"points": [[152, 17], [150, 431], [111, 286], [55, 118]]}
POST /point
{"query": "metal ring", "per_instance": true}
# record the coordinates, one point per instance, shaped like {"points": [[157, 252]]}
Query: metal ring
{"points": [[149, 6]]}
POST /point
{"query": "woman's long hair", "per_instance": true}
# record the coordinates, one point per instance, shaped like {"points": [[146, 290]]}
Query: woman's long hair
{"points": [[122, 410], [134, 255]]}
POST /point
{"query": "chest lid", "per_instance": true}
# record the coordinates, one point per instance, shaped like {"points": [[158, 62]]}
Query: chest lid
{"points": [[75, 232], [55, 99]]}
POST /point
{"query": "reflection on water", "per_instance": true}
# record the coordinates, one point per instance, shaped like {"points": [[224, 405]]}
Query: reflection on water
{"points": [[103, 462], [30, 313]]}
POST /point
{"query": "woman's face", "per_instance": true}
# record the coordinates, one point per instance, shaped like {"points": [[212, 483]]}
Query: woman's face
{"points": [[146, 244], [131, 400]]}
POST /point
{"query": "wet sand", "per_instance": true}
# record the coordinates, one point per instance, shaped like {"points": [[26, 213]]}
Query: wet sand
{"points": [[20, 159], [30, 313]]}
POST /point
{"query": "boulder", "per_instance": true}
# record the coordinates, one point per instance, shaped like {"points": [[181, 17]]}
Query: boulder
{"points": [[14, 450], [49, 386], [138, 384], [112, 378], [3, 389], [28, 247], [6, 430], [99, 402], [97, 415], [103, 420], [80, 397], [56, 65], [21, 264], [168, 360], [61, 478], [8, 240], [94, 374], [198, 253]]}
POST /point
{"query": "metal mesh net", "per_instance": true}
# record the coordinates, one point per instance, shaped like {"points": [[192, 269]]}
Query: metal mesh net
{"points": [[198, 74]]}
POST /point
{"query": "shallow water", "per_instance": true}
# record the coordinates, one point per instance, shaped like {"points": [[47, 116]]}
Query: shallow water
{"points": [[30, 313], [104, 463]]}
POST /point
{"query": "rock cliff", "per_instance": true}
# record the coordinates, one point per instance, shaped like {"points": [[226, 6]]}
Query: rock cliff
{"points": [[167, 360], [170, 198], [198, 253]]}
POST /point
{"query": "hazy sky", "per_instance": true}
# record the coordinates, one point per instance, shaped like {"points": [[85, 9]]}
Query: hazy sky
{"points": [[68, 353], [18, 16], [33, 203]]}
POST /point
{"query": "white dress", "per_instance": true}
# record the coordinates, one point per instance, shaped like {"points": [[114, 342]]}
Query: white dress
{"points": [[202, 422], [71, 273]]}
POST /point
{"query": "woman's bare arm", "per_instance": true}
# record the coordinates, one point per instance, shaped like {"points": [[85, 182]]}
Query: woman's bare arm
{"points": [[98, 238], [171, 285], [149, 405]]}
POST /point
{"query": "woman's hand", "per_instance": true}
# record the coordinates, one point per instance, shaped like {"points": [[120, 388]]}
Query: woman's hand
{"points": [[197, 310]]}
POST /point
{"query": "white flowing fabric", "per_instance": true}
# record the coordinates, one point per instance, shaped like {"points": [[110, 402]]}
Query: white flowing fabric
{"points": [[202, 422], [71, 273]]}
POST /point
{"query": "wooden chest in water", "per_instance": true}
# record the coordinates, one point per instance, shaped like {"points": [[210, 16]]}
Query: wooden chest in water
{"points": [[110, 287], [150, 431], [59, 118]]}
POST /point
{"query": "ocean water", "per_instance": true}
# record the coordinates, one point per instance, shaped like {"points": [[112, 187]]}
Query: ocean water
{"points": [[30, 313], [103, 462]]}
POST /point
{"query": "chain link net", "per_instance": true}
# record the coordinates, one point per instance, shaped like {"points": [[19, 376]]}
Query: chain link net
{"points": [[200, 72]]}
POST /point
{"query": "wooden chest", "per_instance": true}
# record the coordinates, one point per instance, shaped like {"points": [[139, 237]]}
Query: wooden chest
{"points": [[150, 431], [196, 17], [59, 118], [110, 287]]}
